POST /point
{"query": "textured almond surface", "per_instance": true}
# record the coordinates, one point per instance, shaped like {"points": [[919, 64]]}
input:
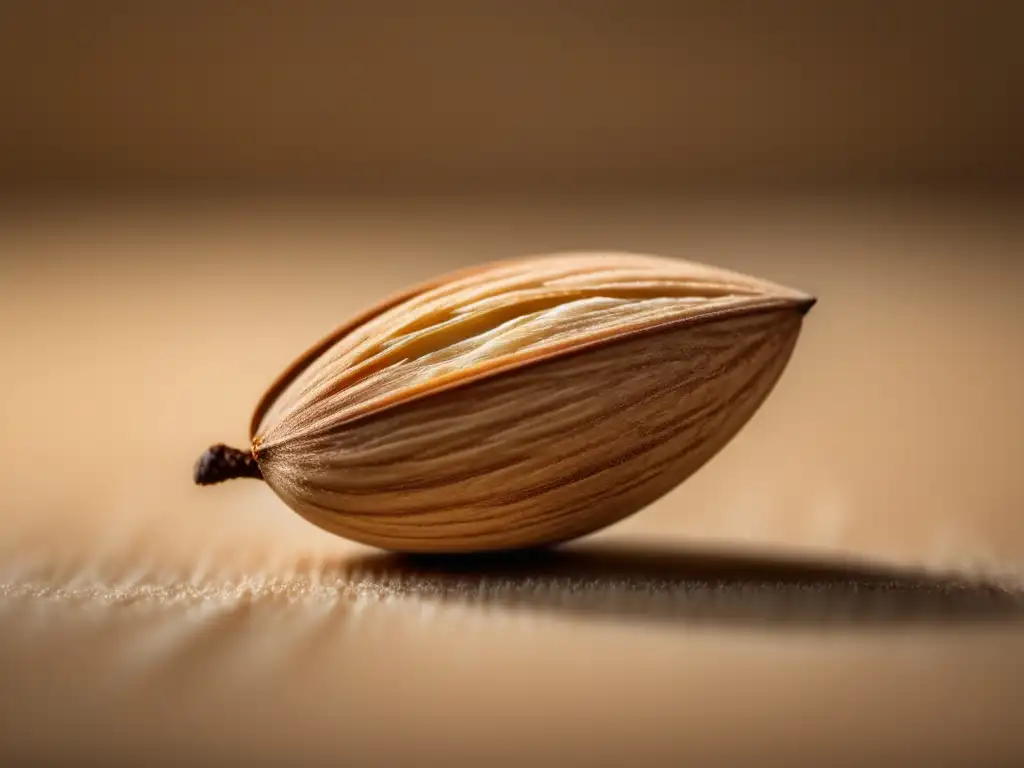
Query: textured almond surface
{"points": [[542, 454], [147, 621], [500, 317], [526, 402]]}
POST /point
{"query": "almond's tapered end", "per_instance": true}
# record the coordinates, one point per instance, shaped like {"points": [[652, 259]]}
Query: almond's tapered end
{"points": [[221, 462], [804, 306]]}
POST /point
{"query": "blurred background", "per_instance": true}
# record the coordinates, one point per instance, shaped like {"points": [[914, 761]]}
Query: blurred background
{"points": [[478, 97], [191, 193]]}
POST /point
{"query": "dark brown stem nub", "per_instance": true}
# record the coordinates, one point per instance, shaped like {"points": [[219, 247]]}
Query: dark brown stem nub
{"points": [[221, 463]]}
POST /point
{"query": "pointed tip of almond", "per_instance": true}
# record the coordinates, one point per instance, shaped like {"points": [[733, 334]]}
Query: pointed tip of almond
{"points": [[804, 305]]}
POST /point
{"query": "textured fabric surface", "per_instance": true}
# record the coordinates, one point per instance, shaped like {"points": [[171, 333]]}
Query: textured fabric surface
{"points": [[841, 584]]}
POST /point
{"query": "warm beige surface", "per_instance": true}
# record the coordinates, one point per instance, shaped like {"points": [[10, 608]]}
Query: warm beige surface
{"points": [[143, 616]]}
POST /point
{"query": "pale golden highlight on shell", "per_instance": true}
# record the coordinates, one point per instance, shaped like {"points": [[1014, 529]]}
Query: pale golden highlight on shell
{"points": [[523, 402]]}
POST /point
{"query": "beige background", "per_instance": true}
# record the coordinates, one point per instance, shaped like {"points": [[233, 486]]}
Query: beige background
{"points": [[196, 192]]}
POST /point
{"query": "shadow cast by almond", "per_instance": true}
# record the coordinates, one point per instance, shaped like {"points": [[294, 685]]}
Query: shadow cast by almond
{"points": [[637, 582]]}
